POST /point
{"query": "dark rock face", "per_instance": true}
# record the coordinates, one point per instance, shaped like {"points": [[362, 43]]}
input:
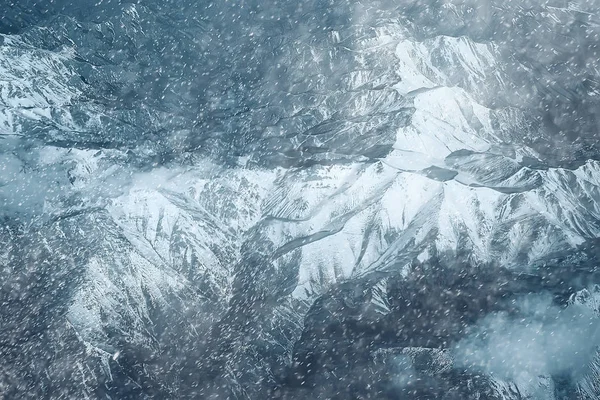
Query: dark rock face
{"points": [[293, 200], [352, 348]]}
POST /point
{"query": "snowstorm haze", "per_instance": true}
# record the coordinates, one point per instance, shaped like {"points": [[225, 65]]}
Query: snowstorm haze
{"points": [[312, 199], [538, 339]]}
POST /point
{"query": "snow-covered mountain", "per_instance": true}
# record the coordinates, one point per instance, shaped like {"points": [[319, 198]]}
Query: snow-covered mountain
{"points": [[299, 200]]}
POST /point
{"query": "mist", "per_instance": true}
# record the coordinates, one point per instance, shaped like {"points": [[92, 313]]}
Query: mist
{"points": [[538, 338]]}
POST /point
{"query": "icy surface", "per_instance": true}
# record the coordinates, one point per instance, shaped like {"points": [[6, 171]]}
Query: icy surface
{"points": [[244, 200]]}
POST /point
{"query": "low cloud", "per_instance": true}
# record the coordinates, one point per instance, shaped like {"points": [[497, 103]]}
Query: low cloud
{"points": [[537, 338]]}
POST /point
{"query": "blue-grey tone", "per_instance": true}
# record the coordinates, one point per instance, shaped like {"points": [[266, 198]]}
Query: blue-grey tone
{"points": [[317, 199]]}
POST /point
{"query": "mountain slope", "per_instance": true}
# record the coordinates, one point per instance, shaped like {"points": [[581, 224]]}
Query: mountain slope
{"points": [[296, 201]]}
